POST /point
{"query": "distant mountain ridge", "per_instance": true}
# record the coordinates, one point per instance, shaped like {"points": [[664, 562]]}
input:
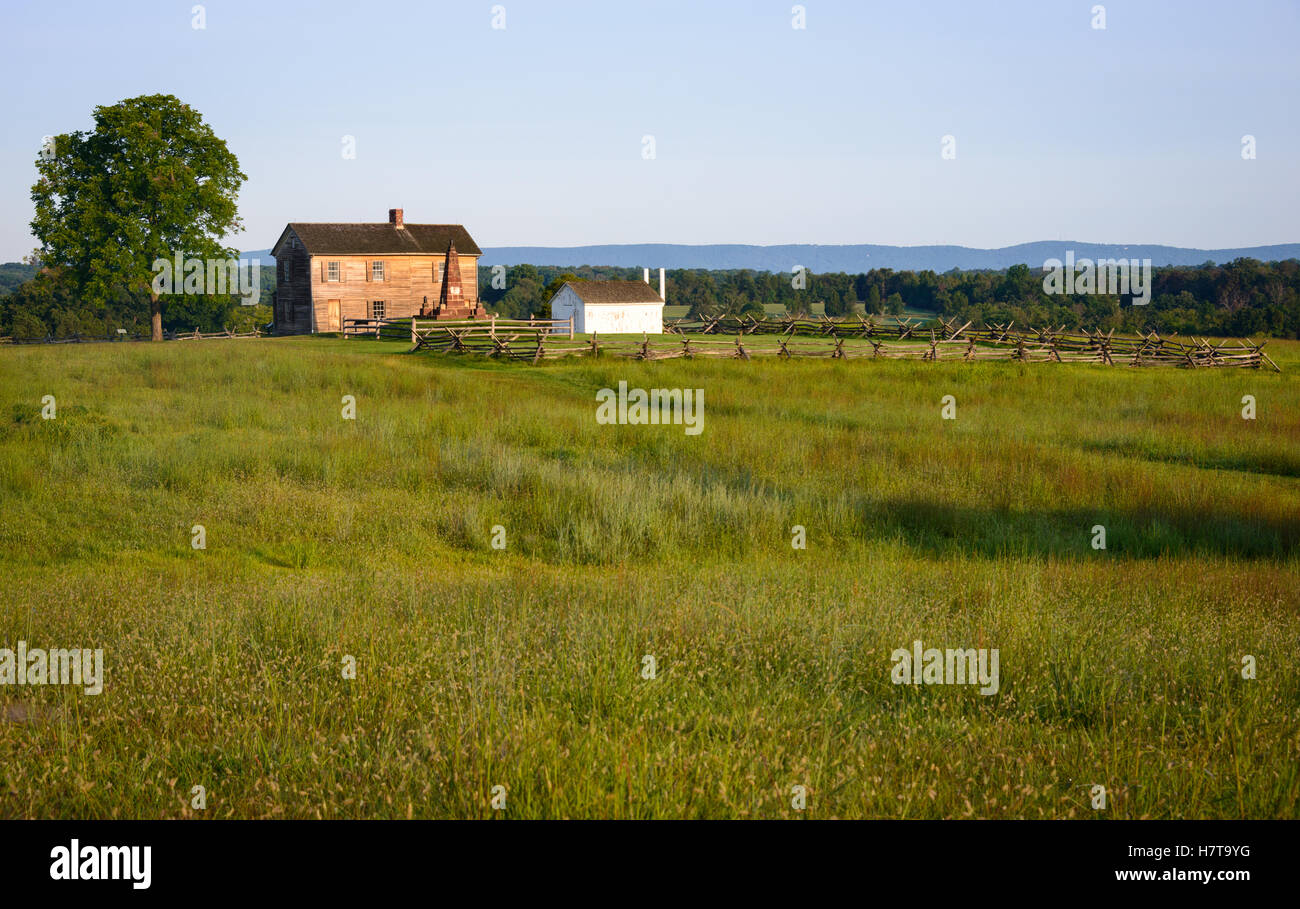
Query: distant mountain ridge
{"points": [[855, 258], [864, 257]]}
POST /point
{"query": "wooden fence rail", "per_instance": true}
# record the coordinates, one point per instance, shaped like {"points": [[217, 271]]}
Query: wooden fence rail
{"points": [[378, 329], [114, 339], [202, 336], [732, 337], [516, 339]]}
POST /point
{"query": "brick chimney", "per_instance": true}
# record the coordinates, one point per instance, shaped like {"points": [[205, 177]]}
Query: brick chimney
{"points": [[395, 218]]}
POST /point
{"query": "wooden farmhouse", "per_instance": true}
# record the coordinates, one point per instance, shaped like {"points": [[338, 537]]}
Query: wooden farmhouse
{"points": [[326, 273], [612, 307]]}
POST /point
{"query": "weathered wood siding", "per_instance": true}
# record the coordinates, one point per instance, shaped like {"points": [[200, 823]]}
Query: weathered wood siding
{"points": [[293, 298], [408, 281]]}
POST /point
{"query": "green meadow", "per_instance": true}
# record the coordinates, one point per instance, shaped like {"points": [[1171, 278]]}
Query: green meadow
{"points": [[332, 543]]}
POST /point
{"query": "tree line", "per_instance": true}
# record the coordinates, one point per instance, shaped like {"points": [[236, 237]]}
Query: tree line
{"points": [[50, 302], [1243, 297]]}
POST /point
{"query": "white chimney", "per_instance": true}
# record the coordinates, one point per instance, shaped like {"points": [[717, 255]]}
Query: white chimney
{"points": [[646, 279], [661, 285]]}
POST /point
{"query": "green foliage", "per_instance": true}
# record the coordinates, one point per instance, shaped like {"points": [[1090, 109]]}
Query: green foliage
{"points": [[150, 181], [544, 310], [873, 304], [51, 305], [245, 318], [14, 274]]}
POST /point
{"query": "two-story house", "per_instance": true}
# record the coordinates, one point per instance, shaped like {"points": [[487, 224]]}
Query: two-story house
{"points": [[326, 273]]}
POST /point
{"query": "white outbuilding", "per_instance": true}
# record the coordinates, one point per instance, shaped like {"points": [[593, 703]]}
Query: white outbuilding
{"points": [[612, 307]]}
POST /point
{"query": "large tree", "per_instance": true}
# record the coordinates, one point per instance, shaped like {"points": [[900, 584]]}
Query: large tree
{"points": [[150, 181]]}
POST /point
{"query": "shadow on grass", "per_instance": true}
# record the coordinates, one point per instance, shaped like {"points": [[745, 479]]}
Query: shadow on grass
{"points": [[1274, 463], [941, 528]]}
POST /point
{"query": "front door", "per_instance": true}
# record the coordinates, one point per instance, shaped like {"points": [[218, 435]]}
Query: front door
{"points": [[334, 324]]}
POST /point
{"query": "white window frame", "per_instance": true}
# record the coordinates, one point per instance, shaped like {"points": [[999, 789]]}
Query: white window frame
{"points": [[333, 271], [377, 270], [377, 313]]}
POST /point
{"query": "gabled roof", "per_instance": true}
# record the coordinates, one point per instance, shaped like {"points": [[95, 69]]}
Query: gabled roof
{"points": [[614, 291], [383, 239]]}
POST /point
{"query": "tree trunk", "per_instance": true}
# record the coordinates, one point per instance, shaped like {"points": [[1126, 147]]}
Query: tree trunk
{"points": [[155, 317]]}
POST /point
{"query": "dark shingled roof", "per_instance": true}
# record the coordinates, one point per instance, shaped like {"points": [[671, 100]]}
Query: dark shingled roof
{"points": [[615, 291], [384, 239]]}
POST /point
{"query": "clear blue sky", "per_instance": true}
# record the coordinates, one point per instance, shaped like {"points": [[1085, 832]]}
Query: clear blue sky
{"points": [[532, 135]]}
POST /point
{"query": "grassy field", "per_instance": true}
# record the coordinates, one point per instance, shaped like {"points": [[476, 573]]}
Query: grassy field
{"points": [[522, 668]]}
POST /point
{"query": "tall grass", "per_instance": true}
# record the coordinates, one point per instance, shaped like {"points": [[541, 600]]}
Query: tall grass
{"points": [[476, 667]]}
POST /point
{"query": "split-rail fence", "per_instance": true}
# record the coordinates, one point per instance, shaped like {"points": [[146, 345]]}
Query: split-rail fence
{"points": [[535, 340]]}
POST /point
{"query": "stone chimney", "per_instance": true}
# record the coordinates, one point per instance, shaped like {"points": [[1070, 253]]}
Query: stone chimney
{"points": [[395, 218]]}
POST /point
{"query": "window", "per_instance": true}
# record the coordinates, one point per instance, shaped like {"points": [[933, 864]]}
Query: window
{"points": [[376, 309], [288, 269], [376, 271], [333, 272]]}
